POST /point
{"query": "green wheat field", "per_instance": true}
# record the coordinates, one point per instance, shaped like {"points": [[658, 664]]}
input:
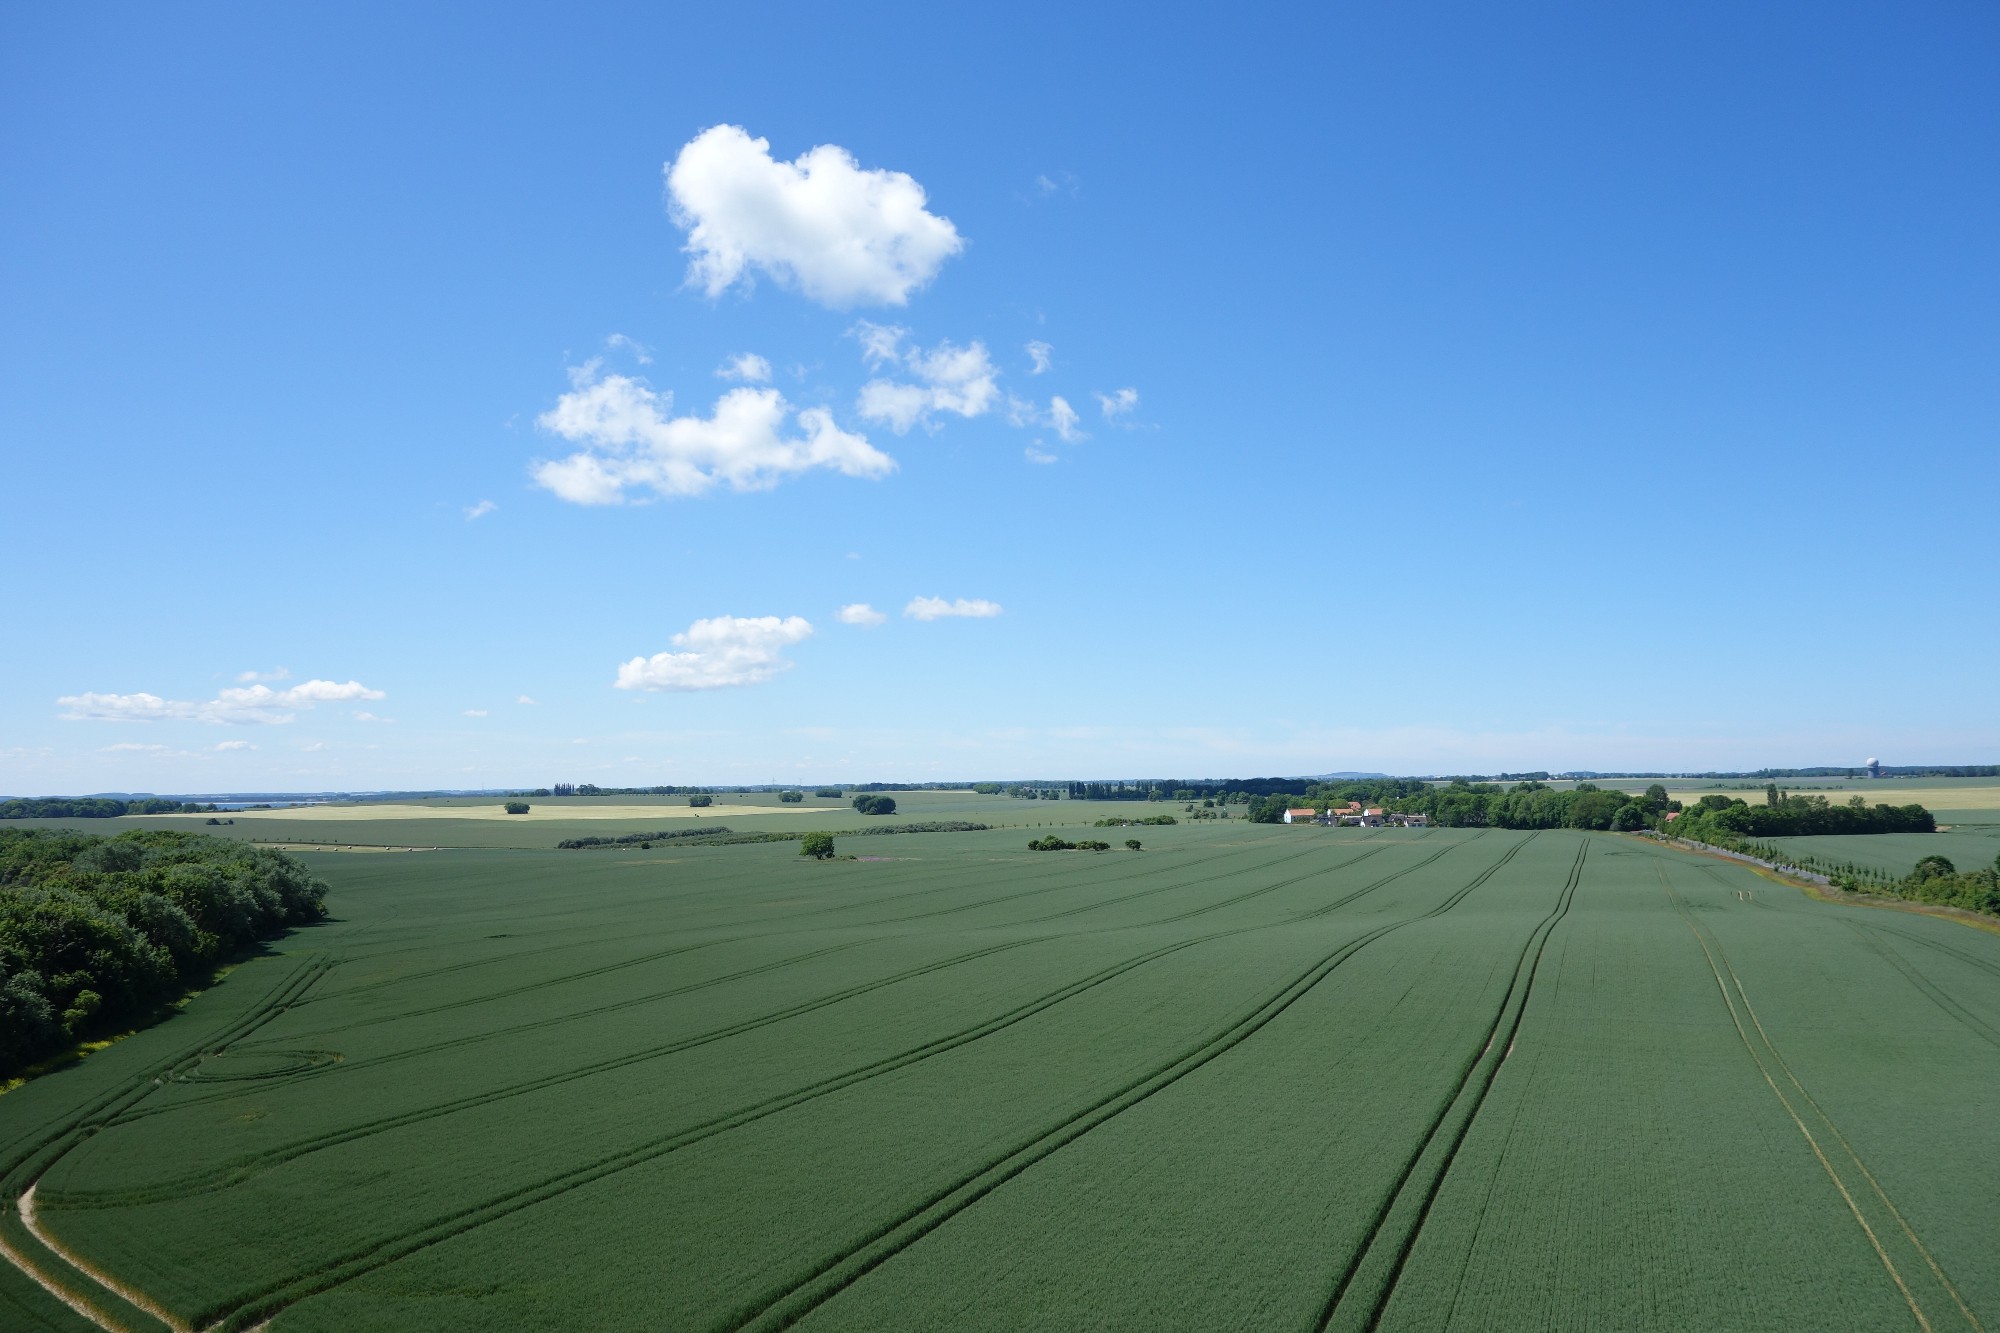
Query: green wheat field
{"points": [[1247, 1077]]}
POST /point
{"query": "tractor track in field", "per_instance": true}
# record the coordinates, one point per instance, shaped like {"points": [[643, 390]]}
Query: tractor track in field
{"points": [[1951, 1008], [221, 1176], [1765, 1054], [23, 1243], [781, 1308], [264, 1303], [432, 1048], [1360, 1296], [1988, 965], [660, 954]]}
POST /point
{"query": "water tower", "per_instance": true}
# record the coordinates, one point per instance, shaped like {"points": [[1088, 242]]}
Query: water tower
{"points": [[1874, 768]]}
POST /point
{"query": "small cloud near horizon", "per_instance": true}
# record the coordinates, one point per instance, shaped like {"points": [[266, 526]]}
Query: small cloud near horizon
{"points": [[937, 608]]}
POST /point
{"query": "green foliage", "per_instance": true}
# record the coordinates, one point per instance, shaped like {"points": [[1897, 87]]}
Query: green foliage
{"points": [[701, 800], [819, 846], [1051, 843], [829, 793], [1131, 844], [516, 807], [720, 835], [93, 807], [871, 804], [1936, 880], [791, 797], [1796, 816], [1135, 821], [96, 933]]}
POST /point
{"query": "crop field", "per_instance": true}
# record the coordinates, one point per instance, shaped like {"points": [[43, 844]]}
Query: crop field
{"points": [[1249, 1077], [465, 822], [1967, 846]]}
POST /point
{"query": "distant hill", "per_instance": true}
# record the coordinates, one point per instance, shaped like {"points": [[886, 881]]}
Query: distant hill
{"points": [[1341, 777]]}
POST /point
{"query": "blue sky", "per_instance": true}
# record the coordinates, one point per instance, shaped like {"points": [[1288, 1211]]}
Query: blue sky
{"points": [[1569, 386]]}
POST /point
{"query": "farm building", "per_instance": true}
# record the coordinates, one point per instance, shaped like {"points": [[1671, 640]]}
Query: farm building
{"points": [[1299, 816]]}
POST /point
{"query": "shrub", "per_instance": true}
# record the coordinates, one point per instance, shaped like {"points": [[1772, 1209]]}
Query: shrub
{"points": [[819, 846], [875, 805], [512, 808], [701, 800], [791, 797], [1051, 844], [829, 793], [1131, 844]]}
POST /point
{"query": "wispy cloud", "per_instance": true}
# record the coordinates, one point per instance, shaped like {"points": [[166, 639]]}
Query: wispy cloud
{"points": [[1118, 403], [860, 613], [480, 510], [475, 712], [638, 350], [937, 608], [1041, 356], [251, 677], [524, 699], [1036, 455], [1059, 417], [241, 705], [841, 235], [947, 378]]}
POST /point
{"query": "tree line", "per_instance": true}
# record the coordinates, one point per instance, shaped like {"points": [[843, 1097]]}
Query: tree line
{"points": [[1789, 816], [95, 807], [98, 934], [1936, 880]]}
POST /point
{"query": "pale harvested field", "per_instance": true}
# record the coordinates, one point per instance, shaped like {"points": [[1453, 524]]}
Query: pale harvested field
{"points": [[1887, 793], [338, 813]]}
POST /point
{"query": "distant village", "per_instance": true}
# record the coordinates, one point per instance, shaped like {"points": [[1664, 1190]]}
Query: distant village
{"points": [[1353, 813]]}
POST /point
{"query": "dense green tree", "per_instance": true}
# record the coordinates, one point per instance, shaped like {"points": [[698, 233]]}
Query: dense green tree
{"points": [[96, 932], [516, 807], [819, 846], [699, 801]]}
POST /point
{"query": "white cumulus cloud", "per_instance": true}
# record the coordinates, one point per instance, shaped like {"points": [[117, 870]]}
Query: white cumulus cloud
{"points": [[937, 608], [632, 442], [842, 235], [747, 367], [859, 613], [947, 378], [718, 653], [239, 705]]}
